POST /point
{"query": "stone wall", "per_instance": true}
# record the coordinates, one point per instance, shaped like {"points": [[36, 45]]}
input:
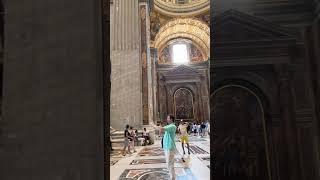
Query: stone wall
{"points": [[52, 106]]}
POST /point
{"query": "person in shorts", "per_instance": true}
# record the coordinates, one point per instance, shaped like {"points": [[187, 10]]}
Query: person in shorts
{"points": [[184, 138]]}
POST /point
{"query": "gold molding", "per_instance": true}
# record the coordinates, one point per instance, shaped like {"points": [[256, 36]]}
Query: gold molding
{"points": [[197, 31], [192, 8]]}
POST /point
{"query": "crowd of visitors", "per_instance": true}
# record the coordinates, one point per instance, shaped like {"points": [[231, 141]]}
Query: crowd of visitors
{"points": [[169, 130], [131, 138], [199, 129]]}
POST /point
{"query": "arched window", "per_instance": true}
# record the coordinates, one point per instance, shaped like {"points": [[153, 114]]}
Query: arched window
{"points": [[180, 53]]}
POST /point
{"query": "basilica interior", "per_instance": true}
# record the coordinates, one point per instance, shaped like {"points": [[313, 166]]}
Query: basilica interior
{"points": [[168, 73], [74, 73]]}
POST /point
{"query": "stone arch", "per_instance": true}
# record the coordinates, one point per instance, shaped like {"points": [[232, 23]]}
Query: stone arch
{"points": [[188, 28], [258, 88]]}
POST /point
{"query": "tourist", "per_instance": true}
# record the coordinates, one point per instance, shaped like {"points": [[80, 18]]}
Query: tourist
{"points": [[207, 127], [132, 138], [126, 141], [146, 137], [169, 144], [136, 139], [194, 129], [184, 136], [198, 129], [203, 129], [188, 127]]}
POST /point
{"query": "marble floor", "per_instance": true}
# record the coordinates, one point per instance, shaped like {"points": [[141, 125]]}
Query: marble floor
{"points": [[148, 163]]}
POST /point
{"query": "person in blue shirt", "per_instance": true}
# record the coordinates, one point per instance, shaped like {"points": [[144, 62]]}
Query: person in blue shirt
{"points": [[169, 145]]}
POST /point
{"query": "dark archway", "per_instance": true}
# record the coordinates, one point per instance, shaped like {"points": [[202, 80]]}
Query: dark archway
{"points": [[240, 133]]}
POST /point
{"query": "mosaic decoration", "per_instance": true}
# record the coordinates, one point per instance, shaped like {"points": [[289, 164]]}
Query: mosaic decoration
{"points": [[205, 159], [152, 161], [116, 154], [153, 151], [195, 54], [156, 174], [196, 139], [197, 150]]}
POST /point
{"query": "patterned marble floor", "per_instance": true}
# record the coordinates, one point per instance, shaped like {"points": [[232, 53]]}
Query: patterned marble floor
{"points": [[149, 162]]}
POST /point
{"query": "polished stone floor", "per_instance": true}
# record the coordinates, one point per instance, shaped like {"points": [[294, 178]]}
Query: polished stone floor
{"points": [[148, 163]]}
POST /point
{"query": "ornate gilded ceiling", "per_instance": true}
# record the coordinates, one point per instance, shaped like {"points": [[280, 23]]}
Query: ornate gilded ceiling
{"points": [[182, 7], [186, 28]]}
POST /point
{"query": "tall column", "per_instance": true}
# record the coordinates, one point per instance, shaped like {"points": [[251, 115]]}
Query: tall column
{"points": [[199, 102], [147, 95], [126, 97], [170, 96], [312, 45], [153, 57], [289, 162], [205, 98], [162, 99]]}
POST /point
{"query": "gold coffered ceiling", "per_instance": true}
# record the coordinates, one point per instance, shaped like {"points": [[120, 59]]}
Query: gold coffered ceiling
{"points": [[182, 7], [197, 31]]}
